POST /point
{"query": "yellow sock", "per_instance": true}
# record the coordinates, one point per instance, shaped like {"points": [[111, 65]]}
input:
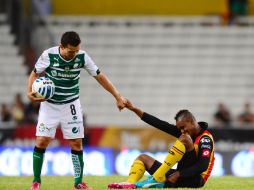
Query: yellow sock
{"points": [[137, 171], [175, 155]]}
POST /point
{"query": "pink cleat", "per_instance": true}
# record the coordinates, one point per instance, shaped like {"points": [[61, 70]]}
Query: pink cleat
{"points": [[82, 186], [35, 186], [122, 185]]}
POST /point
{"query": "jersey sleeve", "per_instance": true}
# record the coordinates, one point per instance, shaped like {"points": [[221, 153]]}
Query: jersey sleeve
{"points": [[90, 66], [204, 154], [161, 125], [42, 63]]}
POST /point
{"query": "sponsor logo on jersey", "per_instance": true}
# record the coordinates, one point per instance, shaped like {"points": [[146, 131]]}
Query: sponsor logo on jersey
{"points": [[74, 117], [205, 140], [75, 130], [65, 75], [206, 146], [56, 59], [206, 153], [66, 69], [56, 64]]}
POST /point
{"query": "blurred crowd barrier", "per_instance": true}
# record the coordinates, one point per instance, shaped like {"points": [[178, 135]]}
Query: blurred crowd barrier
{"points": [[17, 161]]}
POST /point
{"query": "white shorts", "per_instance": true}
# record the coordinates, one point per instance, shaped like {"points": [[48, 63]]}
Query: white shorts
{"points": [[68, 116]]}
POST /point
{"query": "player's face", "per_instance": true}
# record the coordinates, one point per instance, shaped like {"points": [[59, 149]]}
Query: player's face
{"points": [[69, 52], [186, 127]]}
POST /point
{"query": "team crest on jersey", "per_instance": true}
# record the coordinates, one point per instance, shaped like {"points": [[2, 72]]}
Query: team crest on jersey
{"points": [[77, 60], [76, 65]]}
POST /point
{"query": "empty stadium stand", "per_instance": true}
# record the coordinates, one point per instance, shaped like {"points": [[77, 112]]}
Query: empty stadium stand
{"points": [[12, 71], [164, 64]]}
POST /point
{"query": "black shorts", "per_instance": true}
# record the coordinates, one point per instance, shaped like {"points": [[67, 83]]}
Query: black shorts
{"points": [[192, 182]]}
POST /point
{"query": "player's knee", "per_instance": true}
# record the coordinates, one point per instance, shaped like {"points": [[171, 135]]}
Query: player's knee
{"points": [[147, 160], [76, 144], [42, 142], [142, 158], [187, 141]]}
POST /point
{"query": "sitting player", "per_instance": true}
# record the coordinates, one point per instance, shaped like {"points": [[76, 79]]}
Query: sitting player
{"points": [[193, 151]]}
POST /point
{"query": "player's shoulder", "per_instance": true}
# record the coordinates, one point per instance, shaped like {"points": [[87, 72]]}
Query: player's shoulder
{"points": [[52, 50], [81, 52]]}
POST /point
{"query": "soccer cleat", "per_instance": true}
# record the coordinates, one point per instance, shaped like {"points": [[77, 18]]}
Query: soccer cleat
{"points": [[35, 186], [82, 186], [122, 185], [150, 182]]}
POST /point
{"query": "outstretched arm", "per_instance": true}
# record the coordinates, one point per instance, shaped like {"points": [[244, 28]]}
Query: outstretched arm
{"points": [[136, 110], [154, 121], [106, 83]]}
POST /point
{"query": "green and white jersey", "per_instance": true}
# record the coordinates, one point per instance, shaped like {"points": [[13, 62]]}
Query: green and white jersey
{"points": [[64, 74]]}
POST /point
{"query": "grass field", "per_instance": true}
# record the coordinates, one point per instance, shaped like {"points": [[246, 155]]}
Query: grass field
{"points": [[100, 183]]}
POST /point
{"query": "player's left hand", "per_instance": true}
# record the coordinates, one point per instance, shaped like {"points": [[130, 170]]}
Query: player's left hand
{"points": [[173, 177], [121, 103]]}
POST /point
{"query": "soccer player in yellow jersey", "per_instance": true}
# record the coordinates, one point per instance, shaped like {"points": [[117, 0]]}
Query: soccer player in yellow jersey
{"points": [[193, 151]]}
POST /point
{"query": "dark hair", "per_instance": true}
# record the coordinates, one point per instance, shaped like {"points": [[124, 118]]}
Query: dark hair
{"points": [[186, 115], [72, 38]]}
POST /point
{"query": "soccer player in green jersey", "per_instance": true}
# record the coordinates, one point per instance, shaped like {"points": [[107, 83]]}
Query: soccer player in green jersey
{"points": [[62, 64]]}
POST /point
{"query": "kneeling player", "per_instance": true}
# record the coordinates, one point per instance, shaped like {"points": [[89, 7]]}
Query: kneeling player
{"points": [[193, 151]]}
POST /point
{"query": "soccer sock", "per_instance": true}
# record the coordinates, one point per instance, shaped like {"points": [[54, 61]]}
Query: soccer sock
{"points": [[38, 156], [137, 171], [78, 165], [175, 155]]}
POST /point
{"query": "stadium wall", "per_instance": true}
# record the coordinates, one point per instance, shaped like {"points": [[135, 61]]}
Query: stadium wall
{"points": [[140, 7]]}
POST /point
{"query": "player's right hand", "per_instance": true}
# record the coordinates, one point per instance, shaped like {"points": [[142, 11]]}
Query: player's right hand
{"points": [[31, 96], [129, 105]]}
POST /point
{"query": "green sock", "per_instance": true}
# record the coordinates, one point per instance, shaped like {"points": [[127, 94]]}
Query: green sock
{"points": [[38, 156], [78, 165]]}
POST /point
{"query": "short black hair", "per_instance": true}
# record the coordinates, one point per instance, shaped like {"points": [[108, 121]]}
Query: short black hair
{"points": [[186, 115], [72, 38]]}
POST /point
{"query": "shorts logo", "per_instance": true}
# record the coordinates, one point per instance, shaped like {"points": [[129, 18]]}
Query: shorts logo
{"points": [[74, 117], [42, 127], [75, 130]]}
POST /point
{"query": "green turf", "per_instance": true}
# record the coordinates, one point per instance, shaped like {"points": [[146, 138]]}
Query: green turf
{"points": [[100, 183]]}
